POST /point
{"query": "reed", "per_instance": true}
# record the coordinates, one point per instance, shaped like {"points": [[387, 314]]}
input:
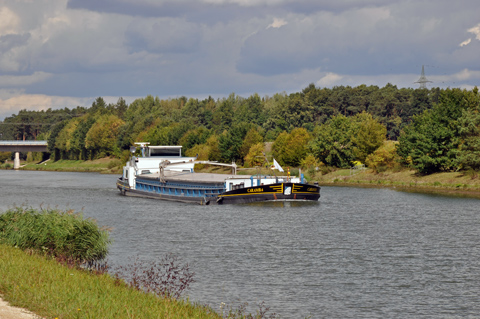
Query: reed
{"points": [[64, 235]]}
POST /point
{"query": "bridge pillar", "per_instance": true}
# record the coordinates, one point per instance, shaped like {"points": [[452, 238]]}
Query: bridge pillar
{"points": [[16, 161]]}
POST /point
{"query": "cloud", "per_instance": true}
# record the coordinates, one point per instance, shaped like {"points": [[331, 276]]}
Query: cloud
{"points": [[9, 21], [277, 23], [16, 80], [11, 40], [164, 35], [91, 48], [329, 80], [475, 30], [466, 42], [12, 101]]}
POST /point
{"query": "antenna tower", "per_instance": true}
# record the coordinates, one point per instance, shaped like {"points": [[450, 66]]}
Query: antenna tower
{"points": [[423, 80]]}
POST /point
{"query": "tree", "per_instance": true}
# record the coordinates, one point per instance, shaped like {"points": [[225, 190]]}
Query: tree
{"points": [[101, 138], [255, 156], [296, 147], [252, 137], [332, 142], [431, 142], [469, 144], [278, 147], [64, 139], [368, 135], [291, 148]]}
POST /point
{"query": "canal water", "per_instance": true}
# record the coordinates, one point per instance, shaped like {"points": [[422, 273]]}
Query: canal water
{"points": [[357, 253]]}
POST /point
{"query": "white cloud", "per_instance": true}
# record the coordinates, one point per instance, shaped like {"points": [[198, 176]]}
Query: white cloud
{"points": [[277, 23], [9, 21], [467, 74], [330, 79], [12, 101], [466, 42], [475, 30]]}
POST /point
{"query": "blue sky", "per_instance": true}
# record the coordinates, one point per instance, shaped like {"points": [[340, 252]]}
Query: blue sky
{"points": [[60, 53]]}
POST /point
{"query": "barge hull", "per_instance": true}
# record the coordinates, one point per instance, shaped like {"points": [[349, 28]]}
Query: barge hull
{"points": [[272, 192]]}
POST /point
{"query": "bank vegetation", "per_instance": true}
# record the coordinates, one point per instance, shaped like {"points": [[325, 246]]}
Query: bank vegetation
{"points": [[427, 131]]}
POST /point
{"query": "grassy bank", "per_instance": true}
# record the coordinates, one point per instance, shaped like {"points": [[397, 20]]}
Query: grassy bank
{"points": [[54, 291], [106, 165], [457, 183], [461, 183]]}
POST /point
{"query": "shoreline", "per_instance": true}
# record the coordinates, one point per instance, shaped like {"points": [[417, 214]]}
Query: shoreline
{"points": [[413, 189], [466, 184], [446, 183]]}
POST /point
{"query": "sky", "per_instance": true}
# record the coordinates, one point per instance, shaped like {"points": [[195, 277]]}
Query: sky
{"points": [[66, 53]]}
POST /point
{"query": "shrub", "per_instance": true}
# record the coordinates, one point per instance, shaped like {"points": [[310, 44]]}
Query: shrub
{"points": [[164, 278], [115, 163], [63, 235], [383, 158]]}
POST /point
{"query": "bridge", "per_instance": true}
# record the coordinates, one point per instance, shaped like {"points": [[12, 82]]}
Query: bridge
{"points": [[22, 146]]}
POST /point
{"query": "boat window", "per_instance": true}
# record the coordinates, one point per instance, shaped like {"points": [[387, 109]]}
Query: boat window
{"points": [[165, 152]]}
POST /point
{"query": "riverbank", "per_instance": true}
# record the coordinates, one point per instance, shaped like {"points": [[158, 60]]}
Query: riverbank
{"points": [[51, 290], [107, 165], [454, 183], [448, 183]]}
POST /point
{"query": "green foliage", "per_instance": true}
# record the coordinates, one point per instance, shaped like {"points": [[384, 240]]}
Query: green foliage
{"points": [[383, 158], [433, 141], [60, 234], [252, 137], [193, 137], [291, 148], [4, 156], [229, 145], [368, 135], [213, 148], [255, 155], [64, 139], [102, 136], [278, 147], [437, 126], [332, 142], [469, 140], [342, 140]]}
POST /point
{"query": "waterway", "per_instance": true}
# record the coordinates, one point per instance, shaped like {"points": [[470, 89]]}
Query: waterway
{"points": [[356, 253]]}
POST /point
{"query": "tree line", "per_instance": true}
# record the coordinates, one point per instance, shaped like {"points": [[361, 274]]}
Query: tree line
{"points": [[430, 130]]}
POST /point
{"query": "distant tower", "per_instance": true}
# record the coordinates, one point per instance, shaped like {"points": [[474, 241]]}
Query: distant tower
{"points": [[423, 80]]}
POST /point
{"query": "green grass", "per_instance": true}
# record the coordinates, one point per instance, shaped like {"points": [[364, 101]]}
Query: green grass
{"points": [[63, 234], [104, 165], [461, 183], [51, 290]]}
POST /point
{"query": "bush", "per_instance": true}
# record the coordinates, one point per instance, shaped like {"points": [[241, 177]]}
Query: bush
{"points": [[63, 235], [383, 158], [165, 278], [115, 163]]}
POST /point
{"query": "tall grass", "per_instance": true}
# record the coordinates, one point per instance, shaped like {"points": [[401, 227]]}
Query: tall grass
{"points": [[63, 234]]}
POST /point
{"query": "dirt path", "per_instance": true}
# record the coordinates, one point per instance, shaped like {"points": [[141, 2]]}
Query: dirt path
{"points": [[9, 312]]}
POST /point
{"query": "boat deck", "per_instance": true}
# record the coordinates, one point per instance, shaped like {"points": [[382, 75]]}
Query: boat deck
{"points": [[190, 177]]}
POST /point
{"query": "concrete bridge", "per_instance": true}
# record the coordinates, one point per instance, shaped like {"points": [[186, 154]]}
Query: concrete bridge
{"points": [[22, 146]]}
